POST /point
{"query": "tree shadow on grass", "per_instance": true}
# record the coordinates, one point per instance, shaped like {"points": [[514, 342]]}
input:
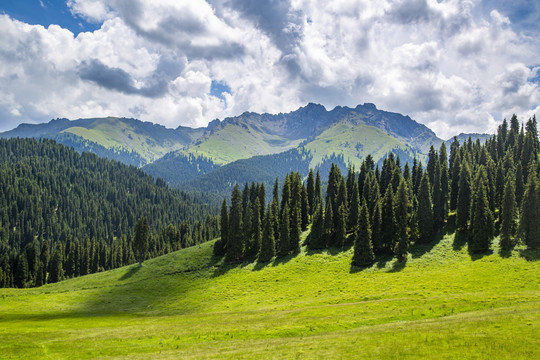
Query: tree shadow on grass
{"points": [[397, 266], [132, 271], [478, 255], [529, 255], [461, 238]]}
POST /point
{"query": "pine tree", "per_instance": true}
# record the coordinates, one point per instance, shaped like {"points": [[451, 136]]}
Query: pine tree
{"points": [[520, 185], [284, 245], [425, 211], [437, 198], [341, 228], [317, 238], [256, 228], [376, 228], [305, 210], [481, 215], [268, 246], [354, 208], [508, 216], [318, 190], [402, 220], [140, 242], [329, 224], [529, 226], [388, 226], [445, 182], [363, 248], [463, 206], [221, 244], [311, 192], [295, 228], [235, 244]]}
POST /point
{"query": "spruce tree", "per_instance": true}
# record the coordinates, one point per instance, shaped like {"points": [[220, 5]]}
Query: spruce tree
{"points": [[256, 228], [295, 228], [363, 248], [140, 242], [508, 215], [402, 220], [305, 209], [376, 228], [354, 208], [529, 226], [284, 228], [310, 188], [268, 246], [317, 238], [220, 245], [481, 215], [329, 224], [388, 225], [463, 206], [425, 211], [341, 228], [318, 189], [235, 244]]}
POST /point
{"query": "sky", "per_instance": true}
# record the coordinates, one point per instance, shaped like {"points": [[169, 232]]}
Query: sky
{"points": [[453, 65]]}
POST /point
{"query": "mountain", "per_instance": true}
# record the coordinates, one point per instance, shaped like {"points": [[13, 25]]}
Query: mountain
{"points": [[465, 137], [127, 140], [311, 135]]}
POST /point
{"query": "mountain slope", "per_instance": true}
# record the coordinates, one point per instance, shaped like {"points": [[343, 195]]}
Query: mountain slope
{"points": [[119, 135], [439, 304]]}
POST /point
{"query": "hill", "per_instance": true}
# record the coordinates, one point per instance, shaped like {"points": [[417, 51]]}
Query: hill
{"points": [[443, 304], [54, 200], [128, 140]]}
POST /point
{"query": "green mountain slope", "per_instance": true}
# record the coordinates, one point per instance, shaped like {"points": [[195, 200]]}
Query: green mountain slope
{"points": [[147, 141], [441, 304]]}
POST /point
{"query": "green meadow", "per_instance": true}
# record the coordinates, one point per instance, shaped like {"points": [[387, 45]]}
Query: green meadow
{"points": [[443, 303]]}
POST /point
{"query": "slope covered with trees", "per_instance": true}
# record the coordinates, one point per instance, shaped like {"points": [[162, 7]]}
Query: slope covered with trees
{"points": [[491, 188], [64, 214]]}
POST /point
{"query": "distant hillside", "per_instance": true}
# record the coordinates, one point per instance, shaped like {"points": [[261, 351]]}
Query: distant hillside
{"points": [[183, 154], [465, 137], [130, 141]]}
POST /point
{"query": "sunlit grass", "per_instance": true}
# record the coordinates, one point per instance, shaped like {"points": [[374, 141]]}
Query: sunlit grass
{"points": [[440, 304]]}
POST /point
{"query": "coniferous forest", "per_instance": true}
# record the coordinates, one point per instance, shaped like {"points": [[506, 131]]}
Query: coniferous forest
{"points": [[488, 190], [65, 214]]}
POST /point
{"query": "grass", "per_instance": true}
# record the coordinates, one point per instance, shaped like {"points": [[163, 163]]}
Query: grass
{"points": [[443, 303], [354, 141]]}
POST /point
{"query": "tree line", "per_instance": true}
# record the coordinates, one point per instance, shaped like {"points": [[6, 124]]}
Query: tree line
{"points": [[489, 189], [65, 214]]}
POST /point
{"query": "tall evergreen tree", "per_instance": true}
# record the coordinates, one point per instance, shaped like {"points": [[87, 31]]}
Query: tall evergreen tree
{"points": [[256, 228], [354, 208], [529, 226], [221, 244], [304, 210], [402, 220], [481, 215], [317, 238], [284, 243], [140, 242], [341, 228], [268, 246], [425, 211], [329, 230], [363, 248], [376, 233], [463, 206], [235, 244], [311, 191], [295, 228], [508, 215], [389, 226]]}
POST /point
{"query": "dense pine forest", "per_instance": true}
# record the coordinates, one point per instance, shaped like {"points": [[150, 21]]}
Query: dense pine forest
{"points": [[488, 190], [65, 214]]}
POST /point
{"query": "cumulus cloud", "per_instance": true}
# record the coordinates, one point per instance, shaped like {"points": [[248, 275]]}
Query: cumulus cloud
{"points": [[454, 65]]}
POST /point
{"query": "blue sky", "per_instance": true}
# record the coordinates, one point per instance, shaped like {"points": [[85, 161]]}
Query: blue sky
{"points": [[454, 65]]}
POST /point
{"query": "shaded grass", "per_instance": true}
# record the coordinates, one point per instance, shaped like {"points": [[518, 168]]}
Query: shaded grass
{"points": [[439, 304]]}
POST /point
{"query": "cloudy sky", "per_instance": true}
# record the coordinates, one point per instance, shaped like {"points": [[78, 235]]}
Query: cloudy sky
{"points": [[456, 65]]}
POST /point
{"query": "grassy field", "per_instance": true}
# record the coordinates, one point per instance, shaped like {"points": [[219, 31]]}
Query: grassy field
{"points": [[442, 304]]}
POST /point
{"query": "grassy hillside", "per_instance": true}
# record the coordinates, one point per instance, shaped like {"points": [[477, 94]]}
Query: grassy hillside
{"points": [[441, 304], [354, 141]]}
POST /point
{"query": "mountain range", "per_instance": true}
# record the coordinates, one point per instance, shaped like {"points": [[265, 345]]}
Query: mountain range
{"points": [[248, 147]]}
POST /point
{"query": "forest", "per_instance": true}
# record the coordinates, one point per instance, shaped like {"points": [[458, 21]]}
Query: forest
{"points": [[487, 190], [65, 214]]}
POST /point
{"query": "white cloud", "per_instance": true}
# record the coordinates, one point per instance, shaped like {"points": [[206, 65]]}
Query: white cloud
{"points": [[455, 65]]}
